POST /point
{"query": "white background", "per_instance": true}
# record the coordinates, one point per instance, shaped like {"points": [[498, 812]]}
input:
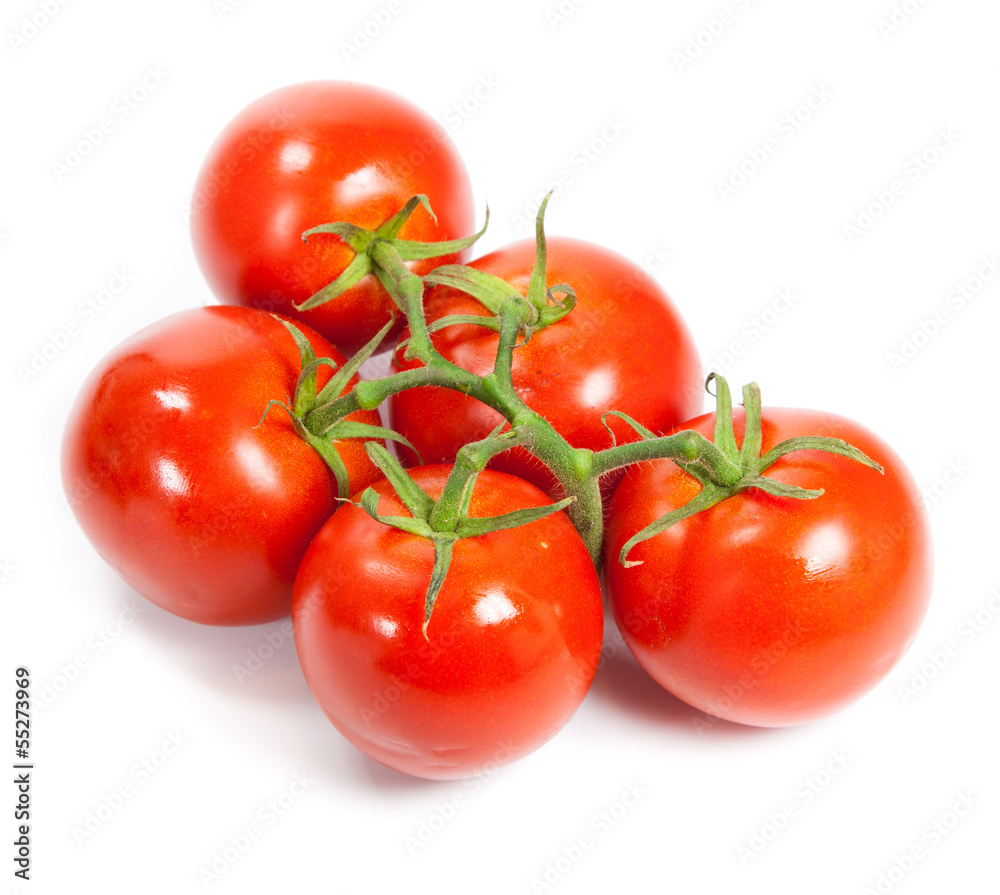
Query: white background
{"points": [[865, 786]]}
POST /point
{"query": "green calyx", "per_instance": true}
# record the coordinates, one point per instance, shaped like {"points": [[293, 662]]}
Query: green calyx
{"points": [[445, 521], [369, 246], [723, 469], [321, 416], [540, 307], [308, 397]]}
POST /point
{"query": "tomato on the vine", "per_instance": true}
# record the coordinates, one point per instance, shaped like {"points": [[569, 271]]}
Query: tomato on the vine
{"points": [[198, 503], [312, 154], [510, 649], [623, 347], [767, 610]]}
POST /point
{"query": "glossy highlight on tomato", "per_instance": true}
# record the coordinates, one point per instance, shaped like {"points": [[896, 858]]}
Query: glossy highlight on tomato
{"points": [[766, 610], [623, 347], [511, 648], [317, 153], [198, 503]]}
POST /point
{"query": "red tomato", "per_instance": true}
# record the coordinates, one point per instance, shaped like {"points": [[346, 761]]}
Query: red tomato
{"points": [[511, 648], [773, 611], [198, 508], [623, 347], [312, 154]]}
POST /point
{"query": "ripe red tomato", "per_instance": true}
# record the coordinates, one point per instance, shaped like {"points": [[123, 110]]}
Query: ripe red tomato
{"points": [[198, 508], [312, 154], [623, 347], [773, 611], [511, 648]]}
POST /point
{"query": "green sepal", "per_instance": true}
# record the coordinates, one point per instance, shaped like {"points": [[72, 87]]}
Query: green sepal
{"points": [[489, 290], [330, 456], [536, 285], [389, 230], [357, 238], [817, 443], [725, 436], [753, 433], [420, 505], [779, 489], [639, 428], [413, 525], [360, 266], [492, 323], [343, 430], [444, 546], [413, 250], [362, 242], [723, 470], [338, 382], [267, 410], [554, 310], [305, 388], [474, 527], [415, 499], [708, 496]]}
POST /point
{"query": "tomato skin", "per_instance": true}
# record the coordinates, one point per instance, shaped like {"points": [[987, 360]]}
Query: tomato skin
{"points": [[770, 611], [513, 642], [623, 347], [193, 504], [310, 154]]}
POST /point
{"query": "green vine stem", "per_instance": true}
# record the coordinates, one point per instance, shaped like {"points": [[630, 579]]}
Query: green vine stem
{"points": [[722, 469]]}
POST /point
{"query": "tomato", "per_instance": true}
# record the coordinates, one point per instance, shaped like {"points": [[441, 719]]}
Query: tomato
{"points": [[773, 611], [511, 648], [311, 154], [198, 508], [623, 347]]}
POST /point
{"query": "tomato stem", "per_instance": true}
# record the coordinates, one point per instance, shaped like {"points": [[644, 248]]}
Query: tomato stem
{"points": [[723, 468]]}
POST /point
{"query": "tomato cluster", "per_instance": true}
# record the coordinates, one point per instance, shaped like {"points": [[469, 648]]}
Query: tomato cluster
{"points": [[230, 465]]}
